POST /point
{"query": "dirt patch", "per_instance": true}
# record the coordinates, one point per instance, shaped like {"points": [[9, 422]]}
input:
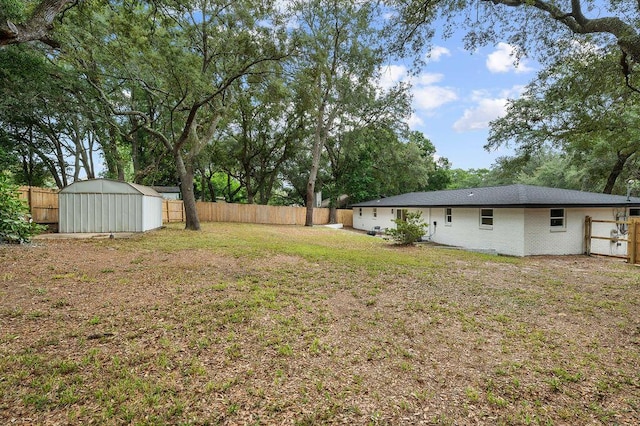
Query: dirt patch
{"points": [[113, 332]]}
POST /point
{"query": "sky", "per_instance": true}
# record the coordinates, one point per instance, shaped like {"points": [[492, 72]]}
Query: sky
{"points": [[458, 93]]}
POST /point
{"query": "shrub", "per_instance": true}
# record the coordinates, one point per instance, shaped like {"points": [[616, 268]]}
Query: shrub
{"points": [[410, 229], [15, 226]]}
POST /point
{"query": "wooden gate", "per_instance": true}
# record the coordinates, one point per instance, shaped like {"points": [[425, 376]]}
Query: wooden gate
{"points": [[632, 238]]}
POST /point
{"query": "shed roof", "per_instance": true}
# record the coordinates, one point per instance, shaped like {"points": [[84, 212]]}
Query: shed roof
{"points": [[504, 196], [167, 189], [108, 186]]}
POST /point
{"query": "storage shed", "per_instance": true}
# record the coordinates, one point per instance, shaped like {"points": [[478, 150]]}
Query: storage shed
{"points": [[103, 205]]}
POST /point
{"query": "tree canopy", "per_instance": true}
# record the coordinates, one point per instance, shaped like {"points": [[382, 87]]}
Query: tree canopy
{"points": [[257, 102], [577, 106], [544, 28]]}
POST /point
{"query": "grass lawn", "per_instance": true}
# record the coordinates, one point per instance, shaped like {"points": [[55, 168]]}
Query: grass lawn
{"points": [[250, 324]]}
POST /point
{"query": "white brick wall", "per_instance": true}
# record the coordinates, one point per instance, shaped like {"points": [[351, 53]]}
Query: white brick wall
{"points": [[504, 237], [516, 231], [364, 218]]}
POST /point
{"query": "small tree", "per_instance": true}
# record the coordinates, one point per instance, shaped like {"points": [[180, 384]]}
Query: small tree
{"points": [[408, 230], [14, 225]]}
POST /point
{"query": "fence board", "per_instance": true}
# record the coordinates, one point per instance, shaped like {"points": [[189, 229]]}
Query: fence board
{"points": [[42, 202], [255, 213], [172, 211], [632, 240]]}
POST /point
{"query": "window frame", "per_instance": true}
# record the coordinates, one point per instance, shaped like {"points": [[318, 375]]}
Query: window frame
{"points": [[634, 212], [375, 212], [484, 217], [448, 216], [560, 221]]}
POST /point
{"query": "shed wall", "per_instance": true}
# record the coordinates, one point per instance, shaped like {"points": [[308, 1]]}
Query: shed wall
{"points": [[86, 212], [151, 213]]}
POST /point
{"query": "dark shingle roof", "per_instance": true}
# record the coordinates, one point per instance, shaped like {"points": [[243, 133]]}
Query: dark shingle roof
{"points": [[504, 196]]}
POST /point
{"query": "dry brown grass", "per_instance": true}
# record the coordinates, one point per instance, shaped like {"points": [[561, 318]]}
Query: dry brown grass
{"points": [[243, 324]]}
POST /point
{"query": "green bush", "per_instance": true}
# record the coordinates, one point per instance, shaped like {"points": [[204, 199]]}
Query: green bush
{"points": [[408, 230], [15, 226]]}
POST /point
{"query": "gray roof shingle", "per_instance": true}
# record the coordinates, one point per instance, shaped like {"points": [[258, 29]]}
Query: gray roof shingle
{"points": [[504, 196]]}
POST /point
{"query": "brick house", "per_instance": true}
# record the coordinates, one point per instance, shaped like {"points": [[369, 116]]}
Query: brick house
{"points": [[517, 220]]}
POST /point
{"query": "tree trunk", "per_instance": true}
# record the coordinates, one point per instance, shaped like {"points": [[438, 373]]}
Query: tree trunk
{"points": [[212, 190], [112, 157], [315, 165], [185, 172], [203, 183], [615, 172], [333, 213]]}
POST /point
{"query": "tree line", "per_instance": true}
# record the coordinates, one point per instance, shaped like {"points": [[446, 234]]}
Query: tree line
{"points": [[272, 102]]}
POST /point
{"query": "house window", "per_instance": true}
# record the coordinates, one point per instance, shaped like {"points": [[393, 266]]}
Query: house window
{"points": [[360, 211], [447, 216], [556, 218], [375, 212], [634, 212], [486, 218], [401, 214]]}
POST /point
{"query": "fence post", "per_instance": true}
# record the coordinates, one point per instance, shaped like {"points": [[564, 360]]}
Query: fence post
{"points": [[587, 235], [29, 201], [632, 243]]}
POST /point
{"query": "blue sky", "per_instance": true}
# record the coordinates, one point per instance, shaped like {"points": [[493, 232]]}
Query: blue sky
{"points": [[458, 92]]}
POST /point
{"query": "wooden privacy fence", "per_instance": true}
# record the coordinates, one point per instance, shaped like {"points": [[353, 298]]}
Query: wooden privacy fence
{"points": [[43, 204], [277, 215], [172, 211], [632, 238]]}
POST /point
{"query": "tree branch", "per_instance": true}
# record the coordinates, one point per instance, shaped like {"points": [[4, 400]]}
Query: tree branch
{"points": [[36, 28], [627, 35]]}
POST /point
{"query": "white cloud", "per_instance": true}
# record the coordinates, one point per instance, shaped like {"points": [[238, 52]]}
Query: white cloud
{"points": [[428, 79], [391, 75], [514, 92], [431, 97], [502, 60], [478, 117], [415, 121], [487, 107], [437, 52], [427, 95]]}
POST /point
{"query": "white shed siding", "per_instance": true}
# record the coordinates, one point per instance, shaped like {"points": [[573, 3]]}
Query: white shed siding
{"points": [[108, 206], [150, 207], [101, 213]]}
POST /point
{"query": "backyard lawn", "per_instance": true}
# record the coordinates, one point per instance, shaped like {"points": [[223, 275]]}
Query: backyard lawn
{"points": [[249, 324]]}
